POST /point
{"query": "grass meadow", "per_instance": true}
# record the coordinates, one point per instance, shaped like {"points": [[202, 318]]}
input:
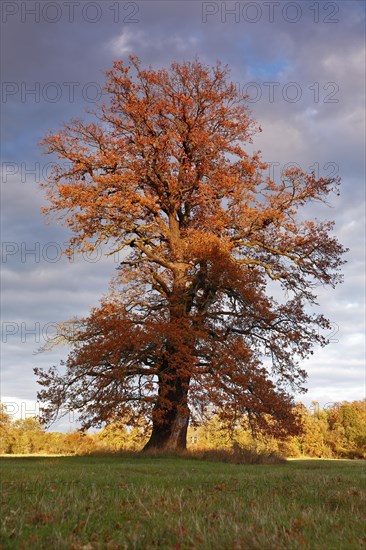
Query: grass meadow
{"points": [[146, 502]]}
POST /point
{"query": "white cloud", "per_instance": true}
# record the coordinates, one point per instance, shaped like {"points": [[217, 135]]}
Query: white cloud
{"points": [[351, 64], [126, 42], [130, 41]]}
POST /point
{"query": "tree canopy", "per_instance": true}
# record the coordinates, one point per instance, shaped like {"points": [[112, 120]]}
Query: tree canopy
{"points": [[161, 173]]}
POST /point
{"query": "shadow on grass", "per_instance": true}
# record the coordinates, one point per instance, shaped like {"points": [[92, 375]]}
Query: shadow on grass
{"points": [[238, 455]]}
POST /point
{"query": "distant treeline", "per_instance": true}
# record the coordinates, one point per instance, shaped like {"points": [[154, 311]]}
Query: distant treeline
{"points": [[337, 432]]}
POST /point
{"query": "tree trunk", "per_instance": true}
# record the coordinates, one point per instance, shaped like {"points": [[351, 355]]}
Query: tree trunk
{"points": [[170, 417], [171, 412]]}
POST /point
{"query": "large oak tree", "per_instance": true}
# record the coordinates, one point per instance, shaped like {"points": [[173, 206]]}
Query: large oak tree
{"points": [[161, 173]]}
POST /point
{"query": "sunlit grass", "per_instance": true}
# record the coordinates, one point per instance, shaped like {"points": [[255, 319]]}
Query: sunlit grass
{"points": [[154, 502]]}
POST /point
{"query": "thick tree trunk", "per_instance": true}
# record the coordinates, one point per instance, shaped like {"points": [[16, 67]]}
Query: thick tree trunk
{"points": [[170, 418], [170, 435], [171, 412]]}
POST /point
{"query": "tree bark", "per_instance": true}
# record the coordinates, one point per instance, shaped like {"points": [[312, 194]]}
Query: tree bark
{"points": [[170, 417], [171, 412]]}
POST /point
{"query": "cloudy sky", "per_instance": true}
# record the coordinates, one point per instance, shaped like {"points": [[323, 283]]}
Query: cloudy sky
{"points": [[302, 64]]}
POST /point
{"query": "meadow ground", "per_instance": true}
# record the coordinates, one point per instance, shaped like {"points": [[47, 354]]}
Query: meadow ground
{"points": [[181, 503]]}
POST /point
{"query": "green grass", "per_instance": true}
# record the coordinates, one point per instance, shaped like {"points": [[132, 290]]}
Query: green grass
{"points": [[180, 503]]}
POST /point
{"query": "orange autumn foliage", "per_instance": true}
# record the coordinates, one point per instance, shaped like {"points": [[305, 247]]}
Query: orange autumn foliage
{"points": [[161, 174]]}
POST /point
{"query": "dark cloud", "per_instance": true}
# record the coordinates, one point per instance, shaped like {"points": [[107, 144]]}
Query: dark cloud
{"points": [[314, 69]]}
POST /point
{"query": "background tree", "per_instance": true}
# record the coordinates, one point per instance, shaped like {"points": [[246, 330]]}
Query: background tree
{"points": [[28, 435], [312, 441], [162, 174], [6, 435], [346, 435], [118, 436]]}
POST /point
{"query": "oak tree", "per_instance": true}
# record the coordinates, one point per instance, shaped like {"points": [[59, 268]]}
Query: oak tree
{"points": [[161, 174]]}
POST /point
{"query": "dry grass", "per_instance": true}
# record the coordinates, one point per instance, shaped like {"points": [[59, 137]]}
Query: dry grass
{"points": [[236, 455]]}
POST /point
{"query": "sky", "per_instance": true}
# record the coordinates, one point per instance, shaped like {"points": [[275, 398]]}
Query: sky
{"points": [[302, 64]]}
